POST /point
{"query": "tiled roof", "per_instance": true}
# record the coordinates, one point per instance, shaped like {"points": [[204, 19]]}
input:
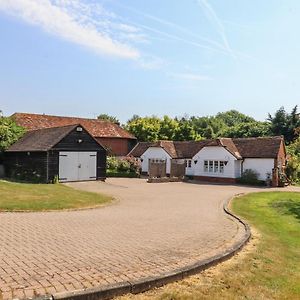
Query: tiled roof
{"points": [[139, 149], [259, 147], [97, 128], [264, 147], [41, 139], [180, 149]]}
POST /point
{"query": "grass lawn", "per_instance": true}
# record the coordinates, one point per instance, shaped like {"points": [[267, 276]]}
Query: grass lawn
{"points": [[268, 267], [37, 197]]}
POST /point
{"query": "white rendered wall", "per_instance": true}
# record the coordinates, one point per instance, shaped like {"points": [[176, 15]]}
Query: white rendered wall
{"points": [[219, 154], [261, 165], [155, 153], [238, 168]]}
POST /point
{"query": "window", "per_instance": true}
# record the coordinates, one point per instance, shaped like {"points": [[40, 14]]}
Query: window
{"points": [[157, 160], [206, 166], [216, 166], [221, 166], [188, 163]]}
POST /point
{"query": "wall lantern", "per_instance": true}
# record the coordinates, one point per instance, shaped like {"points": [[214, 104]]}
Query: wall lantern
{"points": [[195, 161], [79, 129]]}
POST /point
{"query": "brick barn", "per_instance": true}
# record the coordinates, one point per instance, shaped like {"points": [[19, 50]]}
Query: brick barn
{"points": [[112, 136]]}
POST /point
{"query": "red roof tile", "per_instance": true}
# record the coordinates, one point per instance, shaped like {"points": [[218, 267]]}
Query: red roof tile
{"points": [[259, 147], [97, 128]]}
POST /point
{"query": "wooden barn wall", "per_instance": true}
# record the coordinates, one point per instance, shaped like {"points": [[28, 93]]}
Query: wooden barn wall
{"points": [[21, 166], [70, 143], [53, 164]]}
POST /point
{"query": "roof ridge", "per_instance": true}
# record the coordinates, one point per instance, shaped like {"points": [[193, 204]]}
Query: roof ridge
{"points": [[55, 116]]}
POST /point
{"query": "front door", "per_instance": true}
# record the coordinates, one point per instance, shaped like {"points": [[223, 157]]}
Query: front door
{"points": [[77, 166]]}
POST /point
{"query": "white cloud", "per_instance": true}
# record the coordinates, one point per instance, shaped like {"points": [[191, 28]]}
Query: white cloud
{"points": [[74, 21], [191, 76]]}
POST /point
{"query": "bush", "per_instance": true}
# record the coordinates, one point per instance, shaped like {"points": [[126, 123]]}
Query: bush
{"points": [[293, 164], [10, 132], [124, 166], [293, 169], [127, 165], [112, 163], [250, 177]]}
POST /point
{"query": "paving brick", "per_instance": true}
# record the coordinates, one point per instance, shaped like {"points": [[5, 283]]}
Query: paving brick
{"points": [[153, 229]]}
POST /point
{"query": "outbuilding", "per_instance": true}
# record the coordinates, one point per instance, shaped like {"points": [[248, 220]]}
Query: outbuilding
{"points": [[219, 160], [66, 153]]}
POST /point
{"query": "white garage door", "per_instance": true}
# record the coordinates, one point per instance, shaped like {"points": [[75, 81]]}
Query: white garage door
{"points": [[77, 166]]}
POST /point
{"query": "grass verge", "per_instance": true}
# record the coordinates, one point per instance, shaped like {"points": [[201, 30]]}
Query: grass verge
{"points": [[268, 268], [40, 197]]}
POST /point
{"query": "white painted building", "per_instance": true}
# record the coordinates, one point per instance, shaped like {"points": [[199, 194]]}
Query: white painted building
{"points": [[223, 159], [156, 153]]}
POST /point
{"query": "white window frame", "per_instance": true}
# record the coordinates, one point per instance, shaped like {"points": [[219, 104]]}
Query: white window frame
{"points": [[214, 166]]}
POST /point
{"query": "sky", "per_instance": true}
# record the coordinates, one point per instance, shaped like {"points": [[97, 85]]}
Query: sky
{"points": [[156, 57]]}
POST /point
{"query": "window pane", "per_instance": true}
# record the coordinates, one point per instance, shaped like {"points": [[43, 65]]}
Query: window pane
{"points": [[216, 166], [221, 167], [205, 166]]}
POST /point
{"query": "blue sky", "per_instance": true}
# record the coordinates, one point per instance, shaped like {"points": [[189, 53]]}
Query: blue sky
{"points": [[125, 57]]}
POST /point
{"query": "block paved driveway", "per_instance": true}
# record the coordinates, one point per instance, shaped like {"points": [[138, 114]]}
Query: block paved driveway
{"points": [[150, 230]]}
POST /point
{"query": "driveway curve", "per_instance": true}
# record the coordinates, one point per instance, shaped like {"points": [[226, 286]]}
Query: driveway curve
{"points": [[153, 229]]}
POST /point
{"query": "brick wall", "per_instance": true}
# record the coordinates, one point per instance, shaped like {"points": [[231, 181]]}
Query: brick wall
{"points": [[215, 179], [117, 146]]}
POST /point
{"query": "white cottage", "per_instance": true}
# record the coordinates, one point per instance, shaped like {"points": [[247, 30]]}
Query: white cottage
{"points": [[219, 160]]}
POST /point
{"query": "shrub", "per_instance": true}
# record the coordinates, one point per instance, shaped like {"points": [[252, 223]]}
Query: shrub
{"points": [[112, 163], [293, 164], [250, 177], [122, 165]]}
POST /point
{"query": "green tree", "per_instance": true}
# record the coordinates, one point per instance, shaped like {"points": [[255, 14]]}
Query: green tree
{"points": [[186, 131], [234, 117], [293, 165], [168, 128], [10, 132], [286, 124], [145, 129], [208, 127], [251, 129], [106, 117]]}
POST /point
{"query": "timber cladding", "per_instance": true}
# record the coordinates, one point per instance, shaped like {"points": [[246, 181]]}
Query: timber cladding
{"points": [[35, 157]]}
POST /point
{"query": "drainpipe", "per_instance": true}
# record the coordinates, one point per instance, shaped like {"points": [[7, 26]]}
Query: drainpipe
{"points": [[242, 166]]}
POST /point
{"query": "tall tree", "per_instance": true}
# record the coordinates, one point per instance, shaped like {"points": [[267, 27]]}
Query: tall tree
{"points": [[251, 129], [186, 131], [283, 123], [145, 129], [168, 128], [234, 117], [10, 132], [106, 117]]}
